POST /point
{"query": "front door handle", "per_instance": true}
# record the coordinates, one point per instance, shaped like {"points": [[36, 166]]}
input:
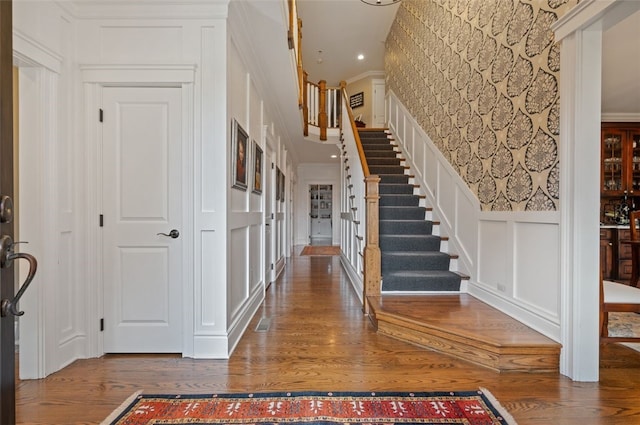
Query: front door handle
{"points": [[172, 234], [6, 260]]}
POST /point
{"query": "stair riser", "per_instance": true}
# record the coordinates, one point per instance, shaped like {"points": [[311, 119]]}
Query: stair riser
{"points": [[389, 227], [390, 243], [383, 161], [421, 284], [404, 262], [379, 150], [399, 200], [396, 189], [391, 213], [373, 135], [394, 179], [389, 153], [386, 169]]}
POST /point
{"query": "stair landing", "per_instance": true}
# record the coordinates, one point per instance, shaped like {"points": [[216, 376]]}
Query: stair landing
{"points": [[465, 327]]}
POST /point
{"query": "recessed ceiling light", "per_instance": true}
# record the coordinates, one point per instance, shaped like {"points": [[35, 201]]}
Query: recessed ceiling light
{"points": [[334, 156], [360, 57]]}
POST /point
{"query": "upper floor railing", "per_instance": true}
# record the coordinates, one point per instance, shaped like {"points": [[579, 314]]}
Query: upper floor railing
{"points": [[321, 107]]}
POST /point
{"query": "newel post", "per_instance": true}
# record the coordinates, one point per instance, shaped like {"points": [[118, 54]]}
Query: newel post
{"points": [[372, 277], [322, 114]]}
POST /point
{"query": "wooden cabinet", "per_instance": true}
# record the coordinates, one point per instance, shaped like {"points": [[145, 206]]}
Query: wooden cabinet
{"points": [[620, 168], [623, 251], [607, 248], [615, 254], [321, 207]]}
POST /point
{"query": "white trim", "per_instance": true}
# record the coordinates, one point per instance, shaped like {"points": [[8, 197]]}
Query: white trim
{"points": [[28, 52], [581, 16], [580, 81], [620, 117], [148, 9], [367, 74], [138, 74]]}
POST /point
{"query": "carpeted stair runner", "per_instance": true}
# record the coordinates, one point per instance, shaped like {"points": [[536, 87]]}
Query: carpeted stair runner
{"points": [[411, 257]]}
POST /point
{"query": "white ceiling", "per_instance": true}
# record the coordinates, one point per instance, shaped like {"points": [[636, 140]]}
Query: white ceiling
{"points": [[621, 67], [342, 29]]}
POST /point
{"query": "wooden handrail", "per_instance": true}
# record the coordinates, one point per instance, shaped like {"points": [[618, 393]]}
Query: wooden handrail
{"points": [[371, 253], [363, 159], [290, 34]]}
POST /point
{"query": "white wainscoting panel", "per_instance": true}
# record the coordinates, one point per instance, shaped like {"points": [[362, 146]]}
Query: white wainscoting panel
{"points": [[494, 252], [211, 302], [238, 283], [130, 43], [537, 267], [256, 258]]}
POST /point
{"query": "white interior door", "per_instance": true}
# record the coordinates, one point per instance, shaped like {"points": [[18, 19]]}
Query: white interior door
{"points": [[268, 218], [379, 119], [142, 198]]}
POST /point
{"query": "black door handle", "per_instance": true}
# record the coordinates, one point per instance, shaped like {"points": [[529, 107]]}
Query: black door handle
{"points": [[6, 260], [172, 234]]}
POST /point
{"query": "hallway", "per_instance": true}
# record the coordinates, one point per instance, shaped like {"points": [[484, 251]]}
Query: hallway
{"points": [[318, 339]]}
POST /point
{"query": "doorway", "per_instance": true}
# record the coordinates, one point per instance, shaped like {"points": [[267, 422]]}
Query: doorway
{"points": [[320, 216]]}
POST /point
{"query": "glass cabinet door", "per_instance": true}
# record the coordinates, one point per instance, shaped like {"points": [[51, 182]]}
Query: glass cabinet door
{"points": [[634, 183], [612, 167]]}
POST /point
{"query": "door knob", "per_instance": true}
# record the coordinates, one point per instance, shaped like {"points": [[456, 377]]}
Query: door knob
{"points": [[172, 234]]}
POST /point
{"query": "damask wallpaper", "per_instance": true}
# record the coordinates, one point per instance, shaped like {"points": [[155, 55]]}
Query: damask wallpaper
{"points": [[481, 78]]}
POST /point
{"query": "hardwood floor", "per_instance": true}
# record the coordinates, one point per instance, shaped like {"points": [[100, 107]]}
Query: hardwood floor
{"points": [[319, 339]]}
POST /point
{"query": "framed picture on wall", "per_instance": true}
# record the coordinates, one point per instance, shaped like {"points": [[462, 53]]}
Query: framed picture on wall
{"points": [[257, 168], [281, 186], [239, 146], [278, 174]]}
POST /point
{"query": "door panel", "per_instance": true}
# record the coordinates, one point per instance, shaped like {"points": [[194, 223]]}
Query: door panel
{"points": [[379, 119], [268, 221], [142, 203]]}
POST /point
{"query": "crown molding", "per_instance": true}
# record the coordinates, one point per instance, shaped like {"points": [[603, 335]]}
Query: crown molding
{"points": [[620, 117], [146, 9]]}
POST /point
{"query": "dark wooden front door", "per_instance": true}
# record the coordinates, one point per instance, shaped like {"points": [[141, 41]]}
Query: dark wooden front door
{"points": [[7, 337]]}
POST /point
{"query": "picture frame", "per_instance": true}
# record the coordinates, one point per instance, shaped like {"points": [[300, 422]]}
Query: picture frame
{"points": [[278, 174], [281, 183], [356, 100], [239, 157], [257, 168]]}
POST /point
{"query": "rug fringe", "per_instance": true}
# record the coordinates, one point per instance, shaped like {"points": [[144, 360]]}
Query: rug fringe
{"points": [[112, 417], [503, 412]]}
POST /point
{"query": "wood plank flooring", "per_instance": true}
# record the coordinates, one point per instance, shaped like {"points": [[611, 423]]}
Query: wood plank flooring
{"points": [[319, 339]]}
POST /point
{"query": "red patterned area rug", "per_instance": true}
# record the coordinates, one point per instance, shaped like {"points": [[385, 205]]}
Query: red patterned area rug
{"points": [[320, 250], [467, 407]]}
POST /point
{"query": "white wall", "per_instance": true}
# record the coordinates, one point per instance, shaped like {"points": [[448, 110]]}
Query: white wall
{"points": [[308, 174], [49, 182], [513, 258], [66, 53]]}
